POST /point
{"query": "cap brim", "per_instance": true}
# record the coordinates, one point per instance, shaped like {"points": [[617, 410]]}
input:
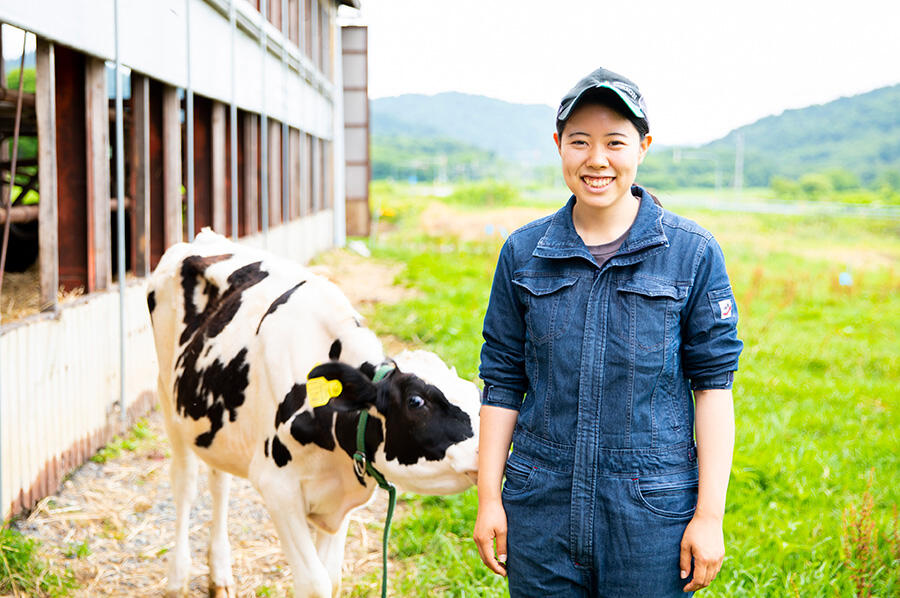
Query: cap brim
{"points": [[635, 109]]}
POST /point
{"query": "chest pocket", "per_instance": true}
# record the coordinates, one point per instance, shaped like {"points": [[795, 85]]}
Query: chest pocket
{"points": [[641, 311], [548, 302]]}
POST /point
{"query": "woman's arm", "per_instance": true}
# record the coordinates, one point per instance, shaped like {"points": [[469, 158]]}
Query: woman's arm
{"points": [[703, 539], [496, 429]]}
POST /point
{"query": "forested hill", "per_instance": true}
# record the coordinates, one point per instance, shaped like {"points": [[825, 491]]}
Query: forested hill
{"points": [[852, 139], [521, 133], [858, 134]]}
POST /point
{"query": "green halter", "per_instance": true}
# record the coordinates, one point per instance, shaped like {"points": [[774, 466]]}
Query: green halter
{"points": [[362, 465]]}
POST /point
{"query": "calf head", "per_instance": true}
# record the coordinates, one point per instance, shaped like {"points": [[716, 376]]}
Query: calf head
{"points": [[429, 436]]}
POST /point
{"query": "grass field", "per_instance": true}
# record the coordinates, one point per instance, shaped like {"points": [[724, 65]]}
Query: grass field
{"points": [[814, 486]]}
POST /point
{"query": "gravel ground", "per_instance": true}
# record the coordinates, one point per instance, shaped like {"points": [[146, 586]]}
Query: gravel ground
{"points": [[112, 523]]}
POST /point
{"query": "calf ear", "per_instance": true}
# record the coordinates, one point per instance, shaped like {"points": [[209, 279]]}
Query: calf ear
{"points": [[343, 387]]}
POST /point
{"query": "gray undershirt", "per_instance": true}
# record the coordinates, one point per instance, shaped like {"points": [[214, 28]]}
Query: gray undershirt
{"points": [[603, 252]]}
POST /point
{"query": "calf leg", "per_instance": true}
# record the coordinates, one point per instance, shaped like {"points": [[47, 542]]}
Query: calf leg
{"points": [[221, 580], [184, 488], [286, 506], [331, 552]]}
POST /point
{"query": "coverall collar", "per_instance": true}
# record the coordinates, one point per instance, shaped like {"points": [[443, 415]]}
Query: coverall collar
{"points": [[561, 240]]}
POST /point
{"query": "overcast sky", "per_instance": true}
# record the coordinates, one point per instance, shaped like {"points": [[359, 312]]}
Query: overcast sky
{"points": [[705, 66]]}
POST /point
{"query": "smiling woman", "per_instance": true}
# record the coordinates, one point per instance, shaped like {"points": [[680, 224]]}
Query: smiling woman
{"points": [[606, 492]]}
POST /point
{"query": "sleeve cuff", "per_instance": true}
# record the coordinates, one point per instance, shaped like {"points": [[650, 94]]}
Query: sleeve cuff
{"points": [[497, 396], [719, 381]]}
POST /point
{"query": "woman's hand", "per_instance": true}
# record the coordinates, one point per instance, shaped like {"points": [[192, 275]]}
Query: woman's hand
{"points": [[490, 525], [703, 540]]}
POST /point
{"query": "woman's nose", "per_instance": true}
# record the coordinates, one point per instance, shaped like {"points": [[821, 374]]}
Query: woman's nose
{"points": [[597, 158]]}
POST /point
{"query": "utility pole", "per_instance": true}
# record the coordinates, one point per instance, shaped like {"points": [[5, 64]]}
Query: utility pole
{"points": [[739, 163]]}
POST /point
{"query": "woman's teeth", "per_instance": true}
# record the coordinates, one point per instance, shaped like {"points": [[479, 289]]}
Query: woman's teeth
{"points": [[597, 182]]}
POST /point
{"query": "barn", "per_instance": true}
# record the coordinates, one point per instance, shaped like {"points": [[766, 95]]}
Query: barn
{"points": [[143, 123]]}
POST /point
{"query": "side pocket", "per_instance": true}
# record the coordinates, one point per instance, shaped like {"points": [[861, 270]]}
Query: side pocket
{"points": [[675, 499], [518, 476]]}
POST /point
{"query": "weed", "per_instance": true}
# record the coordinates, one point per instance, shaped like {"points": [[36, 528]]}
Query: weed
{"points": [[77, 551], [858, 542], [22, 573], [138, 436]]}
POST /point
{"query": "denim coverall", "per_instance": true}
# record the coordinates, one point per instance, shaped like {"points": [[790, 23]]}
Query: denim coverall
{"points": [[602, 479]]}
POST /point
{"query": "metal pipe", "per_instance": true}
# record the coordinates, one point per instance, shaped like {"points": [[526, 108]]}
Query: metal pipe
{"points": [[120, 217], [232, 125], [263, 130], [189, 124], [285, 130]]}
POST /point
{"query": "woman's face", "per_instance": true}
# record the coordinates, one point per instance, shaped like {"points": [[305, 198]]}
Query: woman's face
{"points": [[600, 152]]}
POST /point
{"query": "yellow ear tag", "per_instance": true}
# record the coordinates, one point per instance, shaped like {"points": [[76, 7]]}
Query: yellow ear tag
{"points": [[321, 390]]}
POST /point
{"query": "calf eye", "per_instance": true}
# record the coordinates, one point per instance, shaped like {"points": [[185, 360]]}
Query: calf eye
{"points": [[415, 402]]}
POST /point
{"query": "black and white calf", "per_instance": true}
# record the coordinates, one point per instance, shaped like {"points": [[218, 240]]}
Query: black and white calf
{"points": [[247, 344]]}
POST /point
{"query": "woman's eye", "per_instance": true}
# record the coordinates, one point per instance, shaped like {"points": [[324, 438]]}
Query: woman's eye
{"points": [[415, 402]]}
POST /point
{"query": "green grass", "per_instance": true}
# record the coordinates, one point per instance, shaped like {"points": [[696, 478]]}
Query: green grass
{"points": [[138, 436], [814, 481], [22, 573]]}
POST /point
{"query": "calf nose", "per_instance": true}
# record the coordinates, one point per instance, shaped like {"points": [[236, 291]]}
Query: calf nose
{"points": [[472, 475]]}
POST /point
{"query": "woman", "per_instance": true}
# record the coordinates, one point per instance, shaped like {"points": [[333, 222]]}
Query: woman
{"points": [[603, 318]]}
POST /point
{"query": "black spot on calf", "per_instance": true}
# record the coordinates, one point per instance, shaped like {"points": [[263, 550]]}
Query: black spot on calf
{"points": [[292, 403], [278, 302], [218, 388], [314, 427], [334, 353], [280, 452], [151, 301]]}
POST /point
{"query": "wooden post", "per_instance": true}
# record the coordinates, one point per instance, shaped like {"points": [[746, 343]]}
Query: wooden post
{"points": [[294, 146], [316, 170], [45, 105], [172, 200], [140, 168], [305, 175], [274, 173], [219, 200], [97, 154], [251, 168]]}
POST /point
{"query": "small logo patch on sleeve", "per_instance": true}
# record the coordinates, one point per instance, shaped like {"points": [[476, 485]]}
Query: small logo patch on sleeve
{"points": [[725, 308]]}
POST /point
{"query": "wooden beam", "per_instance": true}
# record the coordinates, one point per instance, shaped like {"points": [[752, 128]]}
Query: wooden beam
{"points": [[220, 205], [251, 172], [294, 186], [48, 219], [316, 169], [71, 177], [21, 214], [274, 174], [12, 95], [172, 200], [140, 168], [306, 189], [97, 154]]}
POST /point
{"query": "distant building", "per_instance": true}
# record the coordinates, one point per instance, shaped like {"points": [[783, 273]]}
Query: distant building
{"points": [[233, 118]]}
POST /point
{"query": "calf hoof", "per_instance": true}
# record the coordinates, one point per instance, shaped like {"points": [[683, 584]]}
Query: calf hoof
{"points": [[221, 592]]}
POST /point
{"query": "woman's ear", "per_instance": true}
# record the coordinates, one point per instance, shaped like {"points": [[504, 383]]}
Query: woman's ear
{"points": [[645, 145]]}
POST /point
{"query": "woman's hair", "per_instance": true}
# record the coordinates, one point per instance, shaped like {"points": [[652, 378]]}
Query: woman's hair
{"points": [[608, 98]]}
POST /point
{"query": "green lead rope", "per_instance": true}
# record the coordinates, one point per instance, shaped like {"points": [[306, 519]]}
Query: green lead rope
{"points": [[361, 464]]}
